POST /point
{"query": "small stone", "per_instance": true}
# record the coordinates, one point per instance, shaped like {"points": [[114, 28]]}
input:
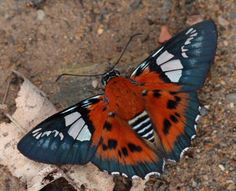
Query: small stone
{"points": [[40, 15], [226, 43], [221, 167], [230, 98], [100, 30], [222, 82], [194, 184], [204, 110], [95, 83], [231, 105]]}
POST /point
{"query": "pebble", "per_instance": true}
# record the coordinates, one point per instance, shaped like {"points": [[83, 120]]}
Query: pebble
{"points": [[230, 98], [226, 43], [204, 110], [194, 184], [231, 105], [95, 84], [100, 30], [40, 15], [221, 167]]}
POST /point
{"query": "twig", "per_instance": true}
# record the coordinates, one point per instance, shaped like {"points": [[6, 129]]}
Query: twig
{"points": [[15, 122], [6, 92]]}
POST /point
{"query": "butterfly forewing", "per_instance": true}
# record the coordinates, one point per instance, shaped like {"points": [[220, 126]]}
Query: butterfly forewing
{"points": [[64, 138], [185, 59]]}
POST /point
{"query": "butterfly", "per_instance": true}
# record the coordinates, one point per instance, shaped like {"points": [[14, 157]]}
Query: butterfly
{"points": [[139, 122]]}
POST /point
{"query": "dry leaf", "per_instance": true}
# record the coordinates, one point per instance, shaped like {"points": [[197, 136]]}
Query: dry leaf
{"points": [[164, 35], [32, 106]]}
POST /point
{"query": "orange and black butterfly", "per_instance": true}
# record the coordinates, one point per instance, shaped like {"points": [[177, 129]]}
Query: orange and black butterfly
{"points": [[139, 122]]}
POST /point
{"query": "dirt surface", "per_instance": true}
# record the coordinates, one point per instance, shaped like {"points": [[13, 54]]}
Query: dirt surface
{"points": [[83, 37]]}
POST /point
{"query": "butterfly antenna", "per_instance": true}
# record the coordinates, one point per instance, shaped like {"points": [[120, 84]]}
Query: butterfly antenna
{"points": [[96, 75], [123, 51], [80, 75]]}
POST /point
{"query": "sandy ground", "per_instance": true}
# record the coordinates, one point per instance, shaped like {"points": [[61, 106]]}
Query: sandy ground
{"points": [[84, 36]]}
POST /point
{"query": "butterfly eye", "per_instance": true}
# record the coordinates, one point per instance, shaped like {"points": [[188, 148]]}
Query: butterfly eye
{"points": [[107, 76]]}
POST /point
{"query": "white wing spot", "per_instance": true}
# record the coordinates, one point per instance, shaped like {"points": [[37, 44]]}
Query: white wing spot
{"points": [[135, 177], [174, 76], [147, 134], [75, 128], [36, 130], [61, 136], [193, 137], [183, 49], [142, 130], [115, 173], [188, 41], [140, 124], [137, 117], [192, 33], [165, 56], [47, 133], [71, 118], [151, 173], [38, 136], [197, 118], [183, 151], [35, 134], [84, 135], [79, 131], [184, 55], [189, 31], [125, 175], [172, 65], [55, 132]]}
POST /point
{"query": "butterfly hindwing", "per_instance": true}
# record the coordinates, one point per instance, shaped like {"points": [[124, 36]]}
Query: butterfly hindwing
{"points": [[122, 151], [185, 59], [64, 138], [173, 115]]}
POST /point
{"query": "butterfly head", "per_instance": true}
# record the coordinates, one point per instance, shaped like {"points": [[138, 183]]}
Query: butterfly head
{"points": [[108, 75]]}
